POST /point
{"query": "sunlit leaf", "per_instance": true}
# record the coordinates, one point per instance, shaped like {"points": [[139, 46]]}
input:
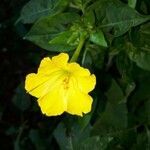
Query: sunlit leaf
{"points": [[98, 38], [48, 28]]}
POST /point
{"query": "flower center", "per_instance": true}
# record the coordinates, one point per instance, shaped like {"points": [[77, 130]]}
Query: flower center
{"points": [[66, 79], [66, 82]]}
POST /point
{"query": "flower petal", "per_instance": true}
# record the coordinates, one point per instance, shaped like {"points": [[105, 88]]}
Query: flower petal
{"points": [[47, 66], [78, 103], [54, 102], [61, 59], [38, 84], [76, 69], [86, 83]]}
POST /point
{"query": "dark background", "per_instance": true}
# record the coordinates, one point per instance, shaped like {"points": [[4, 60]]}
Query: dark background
{"points": [[17, 58]]}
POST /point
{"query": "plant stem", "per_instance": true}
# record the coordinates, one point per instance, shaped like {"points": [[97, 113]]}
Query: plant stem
{"points": [[78, 49], [132, 3]]}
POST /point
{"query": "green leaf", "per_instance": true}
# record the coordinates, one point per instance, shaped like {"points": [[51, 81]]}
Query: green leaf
{"points": [[141, 58], [98, 38], [89, 19], [114, 118], [142, 90], [18, 141], [21, 99], [115, 94], [142, 142], [121, 18], [94, 53], [139, 102], [69, 140], [12, 130], [79, 139], [124, 65], [48, 28], [144, 37], [35, 9], [85, 120], [36, 139], [60, 42], [64, 141], [95, 143], [99, 9]]}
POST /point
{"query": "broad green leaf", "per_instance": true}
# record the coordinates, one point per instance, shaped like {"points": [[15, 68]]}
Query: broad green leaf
{"points": [[140, 37], [115, 94], [35, 9], [144, 37], [140, 57], [48, 28], [125, 67], [85, 120], [69, 140], [116, 17], [21, 99], [18, 141], [89, 19], [93, 53], [95, 143], [99, 9], [124, 64], [98, 38], [141, 142], [64, 141], [121, 18], [12, 130], [37, 140], [60, 42], [142, 90], [114, 118], [79, 139], [139, 102]]}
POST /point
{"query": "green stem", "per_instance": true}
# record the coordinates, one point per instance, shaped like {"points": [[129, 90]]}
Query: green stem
{"points": [[132, 3], [78, 49]]}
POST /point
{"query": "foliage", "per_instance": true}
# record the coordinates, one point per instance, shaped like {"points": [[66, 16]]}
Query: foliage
{"points": [[116, 48]]}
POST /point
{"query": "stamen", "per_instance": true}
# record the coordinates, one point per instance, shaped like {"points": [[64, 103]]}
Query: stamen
{"points": [[66, 82]]}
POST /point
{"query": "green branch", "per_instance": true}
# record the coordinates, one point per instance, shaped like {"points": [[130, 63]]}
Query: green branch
{"points": [[78, 49]]}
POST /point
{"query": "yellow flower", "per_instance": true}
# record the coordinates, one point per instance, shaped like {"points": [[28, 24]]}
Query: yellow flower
{"points": [[61, 86]]}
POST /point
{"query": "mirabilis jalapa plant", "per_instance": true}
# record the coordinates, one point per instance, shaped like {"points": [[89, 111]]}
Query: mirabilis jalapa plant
{"points": [[109, 37]]}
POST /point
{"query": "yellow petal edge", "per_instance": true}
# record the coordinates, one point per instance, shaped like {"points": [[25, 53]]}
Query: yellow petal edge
{"points": [[61, 86]]}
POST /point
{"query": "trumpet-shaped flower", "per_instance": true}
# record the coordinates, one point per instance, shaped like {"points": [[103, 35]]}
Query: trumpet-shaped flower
{"points": [[61, 86]]}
